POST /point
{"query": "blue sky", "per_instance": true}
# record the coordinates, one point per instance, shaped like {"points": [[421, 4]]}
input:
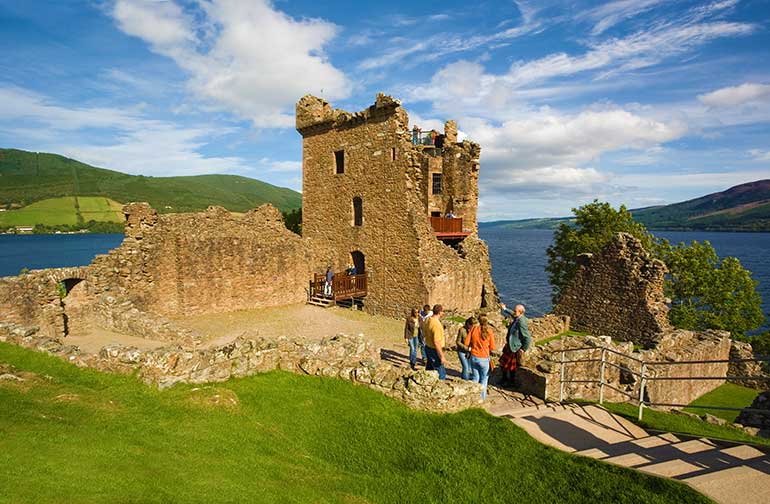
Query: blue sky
{"points": [[639, 102]]}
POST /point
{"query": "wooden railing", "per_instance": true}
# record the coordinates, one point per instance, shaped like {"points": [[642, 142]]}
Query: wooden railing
{"points": [[447, 224], [343, 285]]}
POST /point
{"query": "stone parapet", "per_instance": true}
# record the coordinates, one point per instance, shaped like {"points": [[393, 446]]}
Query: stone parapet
{"points": [[741, 350]]}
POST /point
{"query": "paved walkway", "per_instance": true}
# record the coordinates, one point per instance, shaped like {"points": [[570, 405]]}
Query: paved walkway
{"points": [[726, 472]]}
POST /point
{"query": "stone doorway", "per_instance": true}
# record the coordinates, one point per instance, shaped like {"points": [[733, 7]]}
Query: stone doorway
{"points": [[359, 261]]}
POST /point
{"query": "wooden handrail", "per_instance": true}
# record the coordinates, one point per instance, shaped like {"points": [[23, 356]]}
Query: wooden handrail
{"points": [[343, 285]]}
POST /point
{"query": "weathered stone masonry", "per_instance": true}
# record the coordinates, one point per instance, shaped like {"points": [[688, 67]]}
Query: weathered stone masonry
{"points": [[368, 157]]}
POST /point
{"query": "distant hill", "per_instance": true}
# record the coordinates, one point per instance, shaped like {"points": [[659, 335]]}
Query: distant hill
{"points": [[29, 177], [745, 207]]}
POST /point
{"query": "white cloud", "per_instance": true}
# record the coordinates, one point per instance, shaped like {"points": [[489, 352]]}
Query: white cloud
{"points": [[245, 57], [127, 140], [737, 95], [759, 155], [548, 154], [608, 15]]}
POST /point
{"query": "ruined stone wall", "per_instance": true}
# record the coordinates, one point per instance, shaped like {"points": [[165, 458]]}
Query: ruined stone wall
{"points": [[33, 299], [407, 265], [348, 358], [618, 293], [541, 376], [207, 262], [548, 325]]}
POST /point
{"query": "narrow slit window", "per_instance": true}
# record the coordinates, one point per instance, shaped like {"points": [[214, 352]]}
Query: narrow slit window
{"points": [[339, 161], [358, 212], [392, 153], [436, 179]]}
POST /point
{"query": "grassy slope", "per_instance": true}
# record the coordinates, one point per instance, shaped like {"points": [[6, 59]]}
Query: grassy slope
{"points": [[728, 395], [56, 211], [292, 439], [26, 177], [670, 422]]}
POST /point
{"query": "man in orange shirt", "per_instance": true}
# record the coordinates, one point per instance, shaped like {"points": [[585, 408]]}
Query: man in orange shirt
{"points": [[434, 342]]}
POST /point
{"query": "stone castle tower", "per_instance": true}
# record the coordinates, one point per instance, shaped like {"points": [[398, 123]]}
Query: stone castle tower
{"points": [[373, 198]]}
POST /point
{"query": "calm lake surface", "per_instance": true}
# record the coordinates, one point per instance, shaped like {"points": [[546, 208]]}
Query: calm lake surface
{"points": [[518, 257]]}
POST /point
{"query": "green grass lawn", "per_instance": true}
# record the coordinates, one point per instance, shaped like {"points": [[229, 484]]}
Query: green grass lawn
{"points": [[58, 211], [75, 435], [670, 422], [728, 395]]}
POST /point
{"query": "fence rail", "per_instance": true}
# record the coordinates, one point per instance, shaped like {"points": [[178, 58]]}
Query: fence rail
{"points": [[645, 377], [343, 286]]}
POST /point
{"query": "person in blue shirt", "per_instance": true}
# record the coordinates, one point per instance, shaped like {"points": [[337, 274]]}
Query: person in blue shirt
{"points": [[328, 283], [518, 341]]}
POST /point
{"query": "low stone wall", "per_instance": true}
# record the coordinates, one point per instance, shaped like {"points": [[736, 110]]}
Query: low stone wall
{"points": [[548, 326], [541, 374], [760, 420], [349, 358], [740, 350]]}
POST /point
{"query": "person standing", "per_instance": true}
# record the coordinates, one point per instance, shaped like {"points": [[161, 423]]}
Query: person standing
{"points": [[328, 282], [481, 341], [425, 314], [517, 343], [410, 335], [463, 352], [415, 135], [434, 342]]}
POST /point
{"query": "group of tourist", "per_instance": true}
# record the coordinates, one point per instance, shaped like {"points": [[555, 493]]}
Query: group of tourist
{"points": [[435, 139], [475, 344]]}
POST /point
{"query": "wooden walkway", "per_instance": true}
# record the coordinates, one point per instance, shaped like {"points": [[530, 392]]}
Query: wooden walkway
{"points": [[345, 288]]}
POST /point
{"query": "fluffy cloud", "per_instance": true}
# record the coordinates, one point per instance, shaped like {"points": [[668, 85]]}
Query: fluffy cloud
{"points": [[245, 57], [737, 95], [547, 153], [127, 141]]}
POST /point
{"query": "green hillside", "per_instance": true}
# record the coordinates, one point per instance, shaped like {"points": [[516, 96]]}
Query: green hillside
{"points": [[745, 207], [29, 177], [66, 211]]}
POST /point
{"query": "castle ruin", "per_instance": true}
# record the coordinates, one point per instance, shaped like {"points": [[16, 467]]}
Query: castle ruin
{"points": [[375, 198]]}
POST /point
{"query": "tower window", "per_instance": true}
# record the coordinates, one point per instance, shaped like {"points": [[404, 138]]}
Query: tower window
{"points": [[339, 161], [436, 179], [358, 211], [392, 153]]}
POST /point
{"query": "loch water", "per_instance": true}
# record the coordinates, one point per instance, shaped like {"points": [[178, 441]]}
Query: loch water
{"points": [[518, 257]]}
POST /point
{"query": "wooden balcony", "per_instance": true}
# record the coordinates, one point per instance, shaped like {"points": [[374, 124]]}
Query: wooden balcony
{"points": [[448, 228], [344, 286]]}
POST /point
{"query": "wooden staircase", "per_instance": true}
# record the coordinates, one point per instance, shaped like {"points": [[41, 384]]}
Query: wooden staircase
{"points": [[323, 301]]}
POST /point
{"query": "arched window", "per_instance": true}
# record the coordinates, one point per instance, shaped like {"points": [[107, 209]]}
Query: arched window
{"points": [[358, 211]]}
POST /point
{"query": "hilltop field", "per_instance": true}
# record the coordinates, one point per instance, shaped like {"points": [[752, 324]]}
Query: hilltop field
{"points": [[52, 190]]}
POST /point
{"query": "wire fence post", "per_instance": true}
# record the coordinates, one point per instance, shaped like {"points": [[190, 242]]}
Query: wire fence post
{"points": [[642, 385], [561, 381], [601, 376]]}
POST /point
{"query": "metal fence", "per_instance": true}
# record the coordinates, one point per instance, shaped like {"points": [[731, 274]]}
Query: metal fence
{"points": [[645, 377]]}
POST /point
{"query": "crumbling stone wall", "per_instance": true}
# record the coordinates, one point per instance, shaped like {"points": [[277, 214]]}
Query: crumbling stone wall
{"points": [[541, 376], [206, 262], [548, 325], [348, 358], [740, 350], [407, 265], [618, 293]]}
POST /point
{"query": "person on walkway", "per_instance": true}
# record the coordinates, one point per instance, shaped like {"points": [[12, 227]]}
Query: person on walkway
{"points": [[463, 352], [415, 135], [425, 314], [517, 342], [433, 135], [481, 341], [434, 342], [328, 282], [410, 335]]}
